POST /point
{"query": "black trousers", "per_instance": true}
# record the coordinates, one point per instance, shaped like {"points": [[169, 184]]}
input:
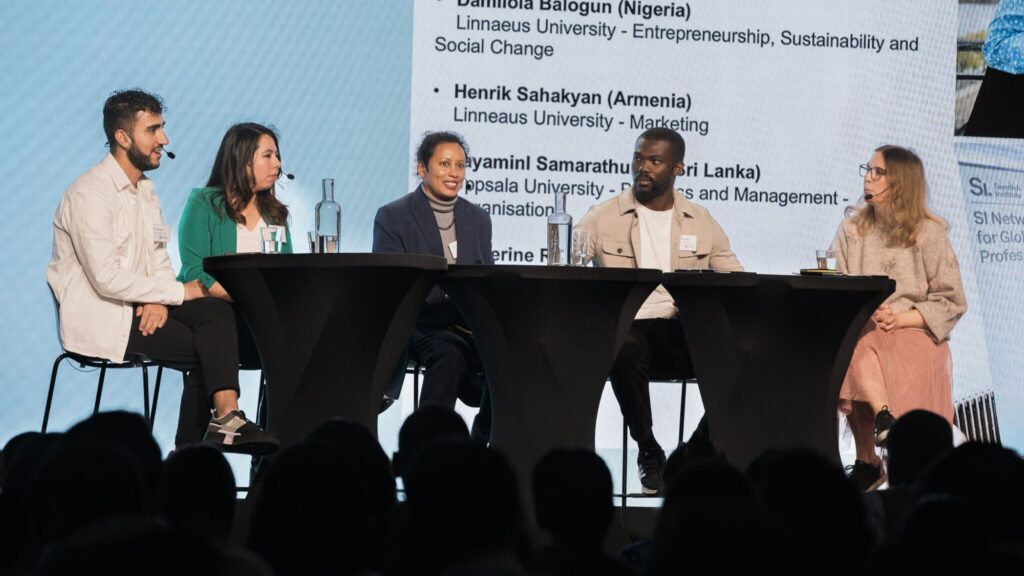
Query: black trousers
{"points": [[453, 372], [202, 334], [651, 346]]}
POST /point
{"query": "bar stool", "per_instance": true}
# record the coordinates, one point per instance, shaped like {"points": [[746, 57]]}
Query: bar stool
{"points": [[662, 377]]}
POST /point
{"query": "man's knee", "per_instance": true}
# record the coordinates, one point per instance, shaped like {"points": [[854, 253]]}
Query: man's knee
{"points": [[634, 351], [447, 354], [214, 307]]}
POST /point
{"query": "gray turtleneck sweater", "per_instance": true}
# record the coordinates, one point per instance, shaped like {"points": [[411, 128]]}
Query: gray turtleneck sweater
{"points": [[444, 213]]}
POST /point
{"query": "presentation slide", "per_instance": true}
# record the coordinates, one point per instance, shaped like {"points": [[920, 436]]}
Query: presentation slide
{"points": [[779, 103]]}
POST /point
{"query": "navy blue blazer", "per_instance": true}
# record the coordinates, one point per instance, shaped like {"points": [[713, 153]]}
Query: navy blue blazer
{"points": [[408, 226]]}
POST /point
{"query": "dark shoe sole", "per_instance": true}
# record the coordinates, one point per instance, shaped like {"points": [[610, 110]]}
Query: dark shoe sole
{"points": [[248, 448]]}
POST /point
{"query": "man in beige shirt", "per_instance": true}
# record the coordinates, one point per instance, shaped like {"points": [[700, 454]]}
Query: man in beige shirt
{"points": [[653, 225], [116, 289]]}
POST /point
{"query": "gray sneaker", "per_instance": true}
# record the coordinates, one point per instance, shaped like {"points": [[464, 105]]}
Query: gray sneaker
{"points": [[651, 462], [234, 433]]}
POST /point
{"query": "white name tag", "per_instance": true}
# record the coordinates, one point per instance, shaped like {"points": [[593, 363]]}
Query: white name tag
{"points": [[453, 247], [688, 242], [161, 233]]}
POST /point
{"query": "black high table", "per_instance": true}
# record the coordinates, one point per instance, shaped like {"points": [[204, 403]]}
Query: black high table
{"points": [[548, 337], [770, 353], [330, 328]]}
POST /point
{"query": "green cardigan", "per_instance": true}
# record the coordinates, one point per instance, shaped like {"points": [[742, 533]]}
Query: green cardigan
{"points": [[203, 231]]}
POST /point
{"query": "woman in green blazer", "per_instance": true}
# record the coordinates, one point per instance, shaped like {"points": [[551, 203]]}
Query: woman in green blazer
{"points": [[239, 199], [225, 217]]}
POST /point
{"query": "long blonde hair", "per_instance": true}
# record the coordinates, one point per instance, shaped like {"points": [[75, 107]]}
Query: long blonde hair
{"points": [[907, 205]]}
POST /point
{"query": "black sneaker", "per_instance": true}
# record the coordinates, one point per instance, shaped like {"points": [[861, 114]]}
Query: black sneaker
{"points": [[883, 423], [233, 432], [863, 474], [651, 462]]}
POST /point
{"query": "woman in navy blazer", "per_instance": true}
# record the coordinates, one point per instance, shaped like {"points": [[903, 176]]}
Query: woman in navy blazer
{"points": [[434, 220]]}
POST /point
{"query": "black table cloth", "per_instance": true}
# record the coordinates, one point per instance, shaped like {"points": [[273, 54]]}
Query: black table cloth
{"points": [[548, 337], [330, 328], [770, 353]]}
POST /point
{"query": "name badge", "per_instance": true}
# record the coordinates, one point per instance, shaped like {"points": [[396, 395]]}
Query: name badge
{"points": [[161, 233], [688, 242], [453, 247]]}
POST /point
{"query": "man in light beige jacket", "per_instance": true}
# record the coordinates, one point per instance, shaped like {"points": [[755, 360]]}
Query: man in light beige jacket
{"points": [[653, 225]]}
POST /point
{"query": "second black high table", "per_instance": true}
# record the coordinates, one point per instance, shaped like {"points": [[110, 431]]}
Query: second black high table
{"points": [[548, 337]]}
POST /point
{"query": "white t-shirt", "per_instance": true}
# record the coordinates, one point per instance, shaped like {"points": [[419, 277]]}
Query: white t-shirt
{"points": [[249, 240], [656, 252]]}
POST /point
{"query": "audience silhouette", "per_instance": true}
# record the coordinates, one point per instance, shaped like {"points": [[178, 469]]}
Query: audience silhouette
{"points": [[98, 499]]}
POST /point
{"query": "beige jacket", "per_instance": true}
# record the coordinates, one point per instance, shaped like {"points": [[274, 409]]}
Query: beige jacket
{"points": [[615, 235], [105, 258]]}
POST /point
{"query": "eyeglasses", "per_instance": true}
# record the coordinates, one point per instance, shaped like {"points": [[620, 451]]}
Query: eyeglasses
{"points": [[871, 172]]}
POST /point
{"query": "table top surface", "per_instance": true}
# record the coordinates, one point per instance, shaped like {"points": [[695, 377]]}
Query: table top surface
{"points": [[468, 271], [552, 272], [354, 259], [746, 279]]}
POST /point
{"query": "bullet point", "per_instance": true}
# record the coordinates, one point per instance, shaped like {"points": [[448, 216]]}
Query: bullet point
{"points": [[436, 90]]}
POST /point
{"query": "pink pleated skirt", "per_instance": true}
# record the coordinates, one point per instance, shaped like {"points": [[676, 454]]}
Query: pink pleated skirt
{"points": [[904, 369]]}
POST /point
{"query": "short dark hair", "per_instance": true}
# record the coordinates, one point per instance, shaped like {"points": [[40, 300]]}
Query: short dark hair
{"points": [[670, 136], [121, 107], [430, 142]]}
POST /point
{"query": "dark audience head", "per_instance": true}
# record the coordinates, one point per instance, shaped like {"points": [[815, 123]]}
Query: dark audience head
{"points": [[916, 440], [572, 496], [131, 546], [310, 516], [809, 500], [128, 431], [197, 493], [424, 427], [355, 444], [84, 481], [941, 534], [699, 447], [710, 520], [11, 451], [464, 505], [989, 478]]}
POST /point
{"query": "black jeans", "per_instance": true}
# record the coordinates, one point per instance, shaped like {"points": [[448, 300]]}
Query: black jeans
{"points": [[655, 345], [203, 336], [453, 371]]}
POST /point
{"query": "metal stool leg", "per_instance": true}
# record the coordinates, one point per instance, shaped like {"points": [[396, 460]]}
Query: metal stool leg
{"points": [[53, 384], [261, 403], [682, 412], [416, 386], [156, 396], [99, 388], [145, 396], [625, 476]]}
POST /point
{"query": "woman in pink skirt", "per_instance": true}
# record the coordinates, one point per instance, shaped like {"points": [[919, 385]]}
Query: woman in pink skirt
{"points": [[902, 360]]}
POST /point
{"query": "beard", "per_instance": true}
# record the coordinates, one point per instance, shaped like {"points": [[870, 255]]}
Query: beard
{"points": [[140, 160], [654, 190]]}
